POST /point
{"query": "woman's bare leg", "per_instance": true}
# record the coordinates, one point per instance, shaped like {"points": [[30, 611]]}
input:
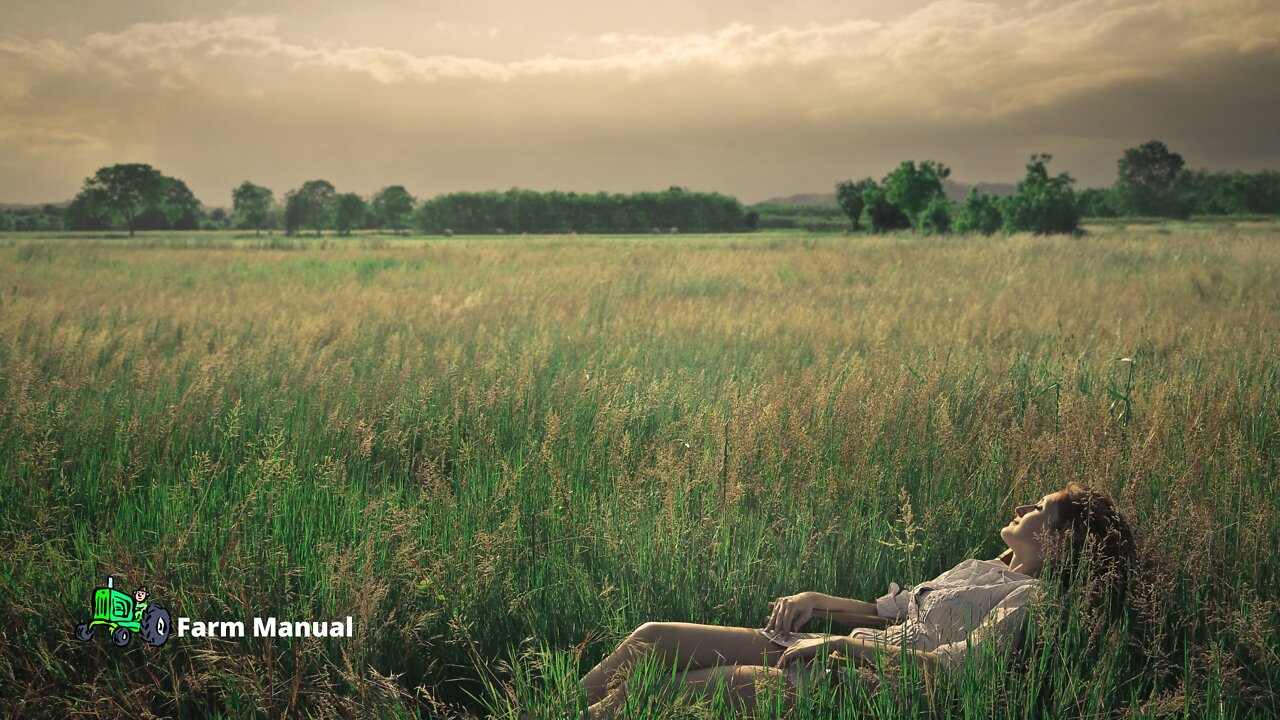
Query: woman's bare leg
{"points": [[687, 646], [741, 681]]}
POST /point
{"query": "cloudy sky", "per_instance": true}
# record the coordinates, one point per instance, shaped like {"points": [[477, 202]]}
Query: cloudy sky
{"points": [[751, 97]]}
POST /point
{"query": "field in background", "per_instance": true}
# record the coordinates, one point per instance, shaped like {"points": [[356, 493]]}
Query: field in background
{"points": [[500, 455]]}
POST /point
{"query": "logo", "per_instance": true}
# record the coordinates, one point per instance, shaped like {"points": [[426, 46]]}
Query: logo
{"points": [[122, 615]]}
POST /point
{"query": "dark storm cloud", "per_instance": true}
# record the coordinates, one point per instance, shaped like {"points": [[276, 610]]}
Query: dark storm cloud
{"points": [[755, 104]]}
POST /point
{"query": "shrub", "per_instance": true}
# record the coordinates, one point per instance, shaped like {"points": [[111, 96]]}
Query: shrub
{"points": [[935, 217], [1042, 204], [980, 213]]}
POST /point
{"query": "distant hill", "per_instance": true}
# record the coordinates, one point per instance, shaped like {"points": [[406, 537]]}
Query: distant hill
{"points": [[29, 206], [955, 191]]}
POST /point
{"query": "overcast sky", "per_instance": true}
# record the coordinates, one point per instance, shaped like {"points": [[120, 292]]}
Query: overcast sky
{"points": [[749, 97]]}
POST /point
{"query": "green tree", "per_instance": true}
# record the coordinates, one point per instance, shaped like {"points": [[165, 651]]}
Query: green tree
{"points": [[849, 198], [126, 190], [179, 206], [1042, 204], [1145, 182], [177, 209], [935, 217], [252, 205], [310, 206], [1096, 202], [393, 206], [294, 212], [349, 212], [980, 213], [879, 213], [913, 188], [89, 210]]}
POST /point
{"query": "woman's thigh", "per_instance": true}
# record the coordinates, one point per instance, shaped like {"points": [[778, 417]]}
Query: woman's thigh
{"points": [[691, 645]]}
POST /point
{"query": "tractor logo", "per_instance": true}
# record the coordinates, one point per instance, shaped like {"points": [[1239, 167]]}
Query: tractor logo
{"points": [[122, 615]]}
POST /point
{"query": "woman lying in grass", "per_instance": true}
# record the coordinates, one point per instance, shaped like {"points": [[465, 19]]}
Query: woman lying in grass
{"points": [[977, 601]]}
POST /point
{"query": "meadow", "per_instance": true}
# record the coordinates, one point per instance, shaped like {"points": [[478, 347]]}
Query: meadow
{"points": [[500, 455]]}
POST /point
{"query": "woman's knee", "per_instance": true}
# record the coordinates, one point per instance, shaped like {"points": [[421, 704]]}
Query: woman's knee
{"points": [[651, 632], [742, 679], [748, 682]]}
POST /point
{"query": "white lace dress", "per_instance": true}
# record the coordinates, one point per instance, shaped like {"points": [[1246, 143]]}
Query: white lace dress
{"points": [[977, 601]]}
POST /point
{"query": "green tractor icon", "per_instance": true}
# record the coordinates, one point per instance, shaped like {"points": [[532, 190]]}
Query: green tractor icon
{"points": [[124, 615]]}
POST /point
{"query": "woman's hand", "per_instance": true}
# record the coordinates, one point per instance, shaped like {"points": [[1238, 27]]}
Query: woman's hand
{"points": [[790, 613], [806, 652]]}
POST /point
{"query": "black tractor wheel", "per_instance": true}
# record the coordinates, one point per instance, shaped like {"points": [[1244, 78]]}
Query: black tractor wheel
{"points": [[120, 637], [155, 625], [84, 633]]}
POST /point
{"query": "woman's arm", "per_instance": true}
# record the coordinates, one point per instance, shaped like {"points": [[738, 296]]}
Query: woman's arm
{"points": [[797, 609], [827, 604]]}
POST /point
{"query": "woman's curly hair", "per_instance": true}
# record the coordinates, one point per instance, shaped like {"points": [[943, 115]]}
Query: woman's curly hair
{"points": [[1095, 547]]}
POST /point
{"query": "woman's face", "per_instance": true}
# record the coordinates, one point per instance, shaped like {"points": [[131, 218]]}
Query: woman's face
{"points": [[1029, 521]]}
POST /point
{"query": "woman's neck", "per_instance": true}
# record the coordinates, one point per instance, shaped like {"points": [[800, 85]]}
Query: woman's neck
{"points": [[1027, 566]]}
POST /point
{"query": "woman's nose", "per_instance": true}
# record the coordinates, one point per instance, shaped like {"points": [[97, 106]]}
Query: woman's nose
{"points": [[1023, 509]]}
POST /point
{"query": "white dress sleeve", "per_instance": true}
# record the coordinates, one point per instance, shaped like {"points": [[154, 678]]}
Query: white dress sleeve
{"points": [[1003, 627], [893, 604]]}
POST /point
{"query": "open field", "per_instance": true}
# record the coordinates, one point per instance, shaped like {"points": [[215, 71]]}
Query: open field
{"points": [[500, 455]]}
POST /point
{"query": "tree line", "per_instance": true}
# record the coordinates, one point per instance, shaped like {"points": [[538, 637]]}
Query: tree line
{"points": [[1151, 181], [911, 197], [136, 197]]}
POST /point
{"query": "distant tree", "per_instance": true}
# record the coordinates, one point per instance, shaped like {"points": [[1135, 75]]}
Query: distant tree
{"points": [[979, 214], [7, 221], [393, 206], [751, 219], [252, 205], [1097, 202], [1251, 193], [275, 216], [527, 211], [1042, 204], [349, 212], [177, 209], [879, 213], [1146, 179], [310, 206], [89, 210], [913, 188], [179, 205], [218, 218], [935, 217], [849, 198], [294, 212], [127, 190]]}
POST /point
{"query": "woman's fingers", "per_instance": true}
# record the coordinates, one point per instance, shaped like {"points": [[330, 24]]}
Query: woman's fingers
{"points": [[777, 622]]}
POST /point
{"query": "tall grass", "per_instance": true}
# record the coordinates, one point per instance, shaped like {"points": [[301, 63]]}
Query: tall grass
{"points": [[500, 456]]}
